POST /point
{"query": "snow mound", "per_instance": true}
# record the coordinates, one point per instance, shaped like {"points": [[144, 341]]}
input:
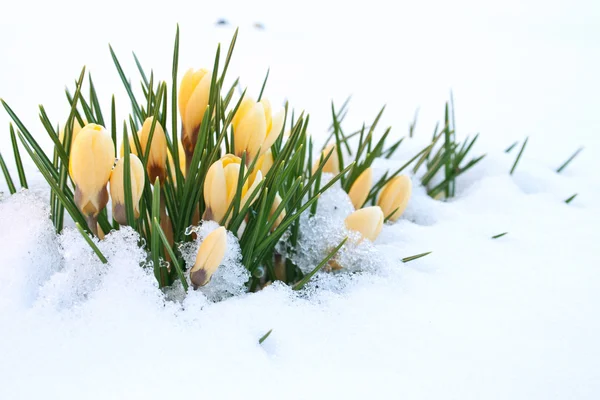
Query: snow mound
{"points": [[231, 276], [30, 249], [322, 232]]}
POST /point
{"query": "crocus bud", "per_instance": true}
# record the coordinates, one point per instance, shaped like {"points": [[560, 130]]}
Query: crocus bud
{"points": [[209, 257], [76, 129], [220, 186], [132, 148], [394, 197], [90, 164], [157, 158], [194, 92], [263, 164], [280, 217], [255, 128], [117, 188], [360, 188], [367, 221], [332, 165], [181, 155]]}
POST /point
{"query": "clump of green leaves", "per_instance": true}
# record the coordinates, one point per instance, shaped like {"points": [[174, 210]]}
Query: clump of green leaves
{"points": [[179, 199], [447, 158]]}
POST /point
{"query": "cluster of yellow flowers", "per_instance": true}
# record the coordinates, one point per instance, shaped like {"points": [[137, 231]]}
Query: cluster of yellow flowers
{"points": [[255, 129], [92, 165], [392, 202]]}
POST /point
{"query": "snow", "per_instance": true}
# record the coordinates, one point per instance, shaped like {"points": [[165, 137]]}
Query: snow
{"points": [[507, 318]]}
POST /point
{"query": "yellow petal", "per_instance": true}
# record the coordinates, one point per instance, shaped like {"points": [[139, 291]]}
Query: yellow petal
{"points": [[76, 129], [157, 158], [273, 132], [232, 172], [367, 221], [181, 156], [194, 108], [209, 257], [132, 148], [268, 116], [266, 162], [229, 159], [250, 132], [91, 161], [394, 196], [247, 193], [332, 165], [360, 188], [117, 187], [188, 83], [215, 191], [245, 106], [280, 217]]}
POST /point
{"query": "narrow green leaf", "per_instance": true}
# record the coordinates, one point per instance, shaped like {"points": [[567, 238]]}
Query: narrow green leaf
{"points": [[167, 246], [512, 146], [570, 199], [91, 243], [129, 213], [95, 102], [7, 177], [411, 258], [159, 272], [262, 89], [18, 161], [136, 107], [264, 337], [142, 73], [499, 235], [519, 156], [566, 163]]}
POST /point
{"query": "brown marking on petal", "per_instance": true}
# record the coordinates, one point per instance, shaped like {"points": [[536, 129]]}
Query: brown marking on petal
{"points": [[156, 171], [92, 222], [102, 199], [188, 141], [119, 213], [208, 214], [89, 208], [199, 278]]}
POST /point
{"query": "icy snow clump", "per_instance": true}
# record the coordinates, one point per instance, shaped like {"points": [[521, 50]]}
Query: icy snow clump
{"points": [[231, 276]]}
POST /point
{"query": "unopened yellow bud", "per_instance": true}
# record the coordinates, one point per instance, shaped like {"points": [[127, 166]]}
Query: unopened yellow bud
{"points": [[220, 186], [76, 129], [117, 188], [209, 257], [367, 221], [394, 197], [263, 164], [274, 126], [255, 128], [181, 155], [360, 188], [157, 158], [332, 165], [132, 148], [194, 93], [90, 164], [280, 217]]}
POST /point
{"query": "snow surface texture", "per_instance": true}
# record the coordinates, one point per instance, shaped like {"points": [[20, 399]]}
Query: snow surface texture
{"points": [[511, 318]]}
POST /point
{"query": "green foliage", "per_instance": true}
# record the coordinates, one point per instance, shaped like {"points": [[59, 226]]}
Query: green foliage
{"points": [[269, 215]]}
